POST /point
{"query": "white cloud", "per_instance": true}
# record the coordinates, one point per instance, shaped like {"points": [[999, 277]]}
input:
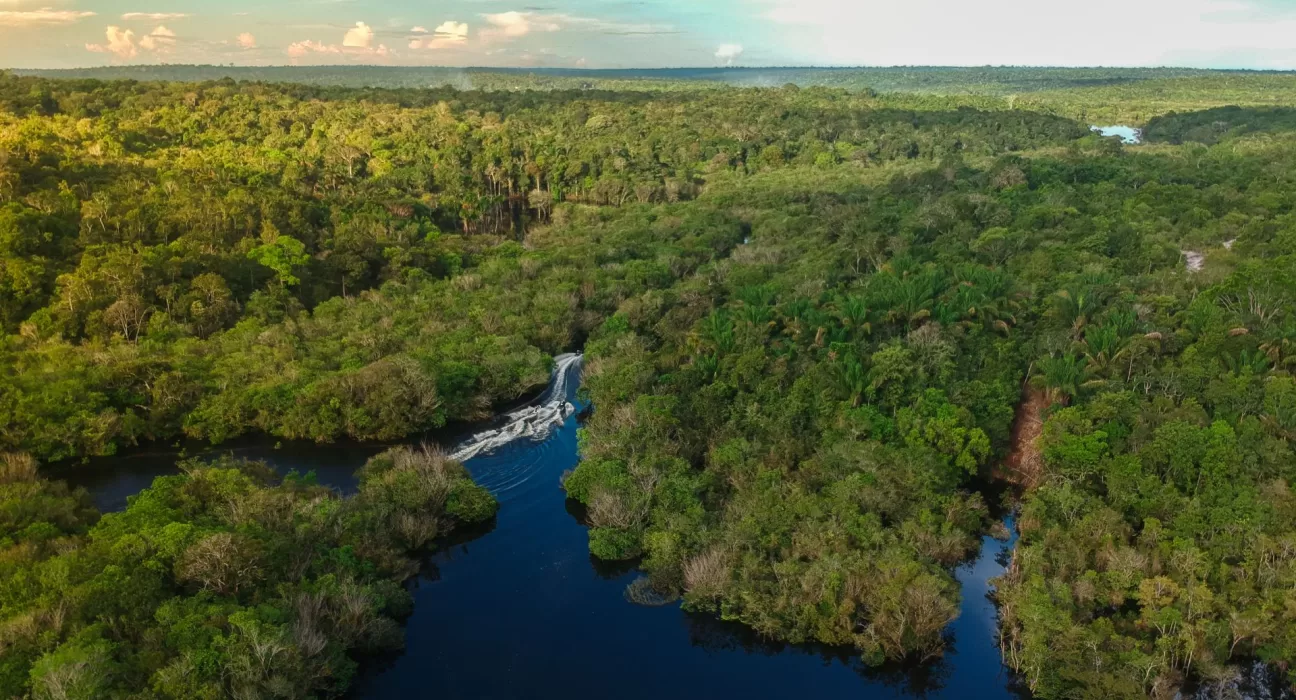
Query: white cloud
{"points": [[594, 24], [356, 43], [358, 37], [121, 43], [297, 49], [160, 40], [246, 41], [418, 30], [446, 35], [154, 16], [729, 52], [23, 18], [511, 25], [457, 31]]}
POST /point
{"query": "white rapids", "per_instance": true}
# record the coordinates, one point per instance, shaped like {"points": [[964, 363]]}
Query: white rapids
{"points": [[535, 422]]}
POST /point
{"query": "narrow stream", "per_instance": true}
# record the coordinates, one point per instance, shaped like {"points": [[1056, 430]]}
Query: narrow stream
{"points": [[520, 610]]}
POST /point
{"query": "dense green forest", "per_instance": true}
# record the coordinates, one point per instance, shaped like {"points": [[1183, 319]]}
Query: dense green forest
{"points": [[1102, 94], [818, 322], [223, 581], [845, 379], [999, 81], [180, 230]]}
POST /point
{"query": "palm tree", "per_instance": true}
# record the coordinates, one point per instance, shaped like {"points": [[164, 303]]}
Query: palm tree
{"points": [[909, 299], [760, 295], [1103, 345], [707, 365], [1074, 306], [755, 316], [718, 330], [984, 297], [853, 377], [1060, 376], [854, 314], [794, 315], [1279, 346], [1247, 361]]}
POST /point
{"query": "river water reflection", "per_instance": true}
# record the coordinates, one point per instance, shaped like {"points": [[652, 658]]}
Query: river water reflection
{"points": [[518, 609], [523, 612]]}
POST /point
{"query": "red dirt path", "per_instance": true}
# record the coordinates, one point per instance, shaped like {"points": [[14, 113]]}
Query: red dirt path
{"points": [[1024, 465]]}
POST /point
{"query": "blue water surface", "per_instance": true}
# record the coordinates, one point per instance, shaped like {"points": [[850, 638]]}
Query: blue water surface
{"points": [[520, 610], [524, 612], [1127, 134]]}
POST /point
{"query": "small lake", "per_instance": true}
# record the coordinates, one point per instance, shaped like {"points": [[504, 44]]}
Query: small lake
{"points": [[1127, 134]]}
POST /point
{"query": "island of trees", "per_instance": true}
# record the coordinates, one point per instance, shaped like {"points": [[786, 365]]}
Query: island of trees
{"points": [[817, 321]]}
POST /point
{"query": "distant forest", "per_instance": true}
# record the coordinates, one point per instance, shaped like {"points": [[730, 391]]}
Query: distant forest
{"points": [[944, 80], [1113, 94]]}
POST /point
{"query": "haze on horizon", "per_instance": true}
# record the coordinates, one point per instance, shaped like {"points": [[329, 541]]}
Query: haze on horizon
{"points": [[1254, 34]]}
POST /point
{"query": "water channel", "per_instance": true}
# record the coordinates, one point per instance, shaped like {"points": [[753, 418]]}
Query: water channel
{"points": [[518, 609]]}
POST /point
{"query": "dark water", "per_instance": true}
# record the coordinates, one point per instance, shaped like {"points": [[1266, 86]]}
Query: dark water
{"points": [[521, 610], [111, 480]]}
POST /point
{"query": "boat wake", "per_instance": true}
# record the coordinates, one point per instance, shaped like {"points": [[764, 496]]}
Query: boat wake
{"points": [[535, 422]]}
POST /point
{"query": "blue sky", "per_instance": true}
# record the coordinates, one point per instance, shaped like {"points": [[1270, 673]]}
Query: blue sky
{"points": [[650, 33]]}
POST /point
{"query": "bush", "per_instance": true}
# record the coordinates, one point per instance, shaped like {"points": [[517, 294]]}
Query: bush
{"points": [[470, 503], [613, 544]]}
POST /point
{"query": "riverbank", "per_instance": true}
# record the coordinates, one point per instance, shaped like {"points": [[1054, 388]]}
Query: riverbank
{"points": [[502, 609], [111, 480], [558, 619]]}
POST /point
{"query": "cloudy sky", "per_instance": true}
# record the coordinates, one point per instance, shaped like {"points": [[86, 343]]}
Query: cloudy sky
{"points": [[650, 33]]}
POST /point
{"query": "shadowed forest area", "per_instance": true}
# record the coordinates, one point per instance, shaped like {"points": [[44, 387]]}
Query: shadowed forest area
{"points": [[1211, 126], [809, 316]]}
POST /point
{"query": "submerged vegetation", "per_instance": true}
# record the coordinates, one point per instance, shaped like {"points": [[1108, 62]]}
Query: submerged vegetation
{"points": [[809, 318]]}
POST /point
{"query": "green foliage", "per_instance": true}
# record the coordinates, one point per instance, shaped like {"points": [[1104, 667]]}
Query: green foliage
{"points": [[1109, 95], [1210, 126], [283, 255], [808, 317], [220, 582], [785, 381]]}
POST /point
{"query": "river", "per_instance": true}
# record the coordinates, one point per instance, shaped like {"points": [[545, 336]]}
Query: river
{"points": [[518, 609], [522, 611]]}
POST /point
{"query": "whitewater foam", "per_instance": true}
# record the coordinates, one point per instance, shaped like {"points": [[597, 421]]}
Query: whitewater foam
{"points": [[535, 422]]}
